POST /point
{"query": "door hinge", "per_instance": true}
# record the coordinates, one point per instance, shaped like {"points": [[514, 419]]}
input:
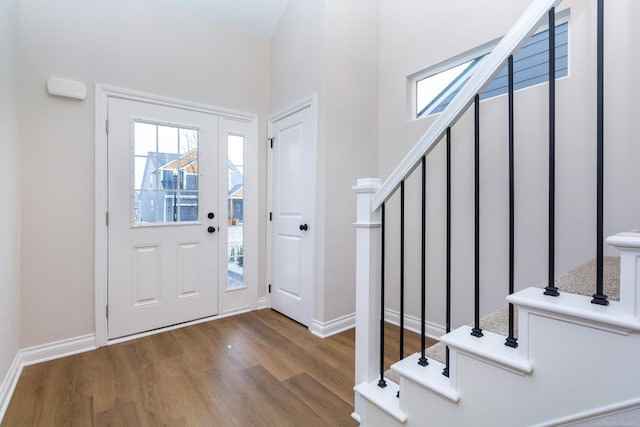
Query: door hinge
{"points": [[269, 287], [106, 218], [270, 216], [106, 311], [270, 142], [106, 126]]}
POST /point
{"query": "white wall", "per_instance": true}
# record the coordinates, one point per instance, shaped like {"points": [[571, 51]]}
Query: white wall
{"points": [[141, 45], [416, 34], [297, 57], [330, 49], [351, 139], [10, 178]]}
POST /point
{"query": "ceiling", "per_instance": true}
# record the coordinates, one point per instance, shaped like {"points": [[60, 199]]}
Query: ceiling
{"points": [[255, 17]]}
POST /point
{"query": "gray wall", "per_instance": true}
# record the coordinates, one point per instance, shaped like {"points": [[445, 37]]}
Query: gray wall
{"points": [[10, 178]]}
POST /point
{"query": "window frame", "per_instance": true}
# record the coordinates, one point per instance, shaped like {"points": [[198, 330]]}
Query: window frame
{"points": [[476, 53]]}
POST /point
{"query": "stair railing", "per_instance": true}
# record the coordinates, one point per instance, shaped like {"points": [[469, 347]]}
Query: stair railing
{"points": [[372, 198], [489, 66]]}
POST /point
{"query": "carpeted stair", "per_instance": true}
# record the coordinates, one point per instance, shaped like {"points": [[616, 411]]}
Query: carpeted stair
{"points": [[580, 280]]}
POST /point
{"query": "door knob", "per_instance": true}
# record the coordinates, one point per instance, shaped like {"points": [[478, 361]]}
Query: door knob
{"points": [[210, 215], [304, 227], [211, 229]]}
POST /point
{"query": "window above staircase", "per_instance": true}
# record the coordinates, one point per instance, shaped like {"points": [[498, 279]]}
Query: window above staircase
{"points": [[434, 88]]}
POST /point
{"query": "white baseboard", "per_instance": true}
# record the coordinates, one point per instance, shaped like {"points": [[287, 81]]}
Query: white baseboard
{"points": [[332, 327], [412, 323], [37, 354], [55, 350], [8, 386], [263, 302]]}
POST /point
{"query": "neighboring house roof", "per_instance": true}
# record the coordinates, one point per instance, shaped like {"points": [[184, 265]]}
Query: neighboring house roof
{"points": [[236, 179], [187, 162], [237, 192]]}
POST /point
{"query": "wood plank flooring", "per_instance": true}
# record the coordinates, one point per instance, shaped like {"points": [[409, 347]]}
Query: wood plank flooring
{"points": [[255, 369]]}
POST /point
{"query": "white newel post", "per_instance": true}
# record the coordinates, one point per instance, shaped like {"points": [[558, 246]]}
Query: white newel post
{"points": [[629, 246], [367, 281]]}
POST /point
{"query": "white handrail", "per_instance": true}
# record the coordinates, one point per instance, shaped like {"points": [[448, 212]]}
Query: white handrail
{"points": [[486, 70]]}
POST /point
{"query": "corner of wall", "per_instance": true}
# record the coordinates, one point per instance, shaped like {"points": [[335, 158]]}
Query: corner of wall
{"points": [[10, 214]]}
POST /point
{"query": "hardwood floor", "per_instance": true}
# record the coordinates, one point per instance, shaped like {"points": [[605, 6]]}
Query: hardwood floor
{"points": [[255, 369]]}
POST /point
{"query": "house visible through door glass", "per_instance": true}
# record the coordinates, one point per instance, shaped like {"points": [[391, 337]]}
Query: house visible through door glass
{"points": [[165, 174], [235, 210]]}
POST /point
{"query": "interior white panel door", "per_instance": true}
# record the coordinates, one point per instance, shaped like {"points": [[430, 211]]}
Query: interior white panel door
{"points": [[292, 228], [162, 188]]}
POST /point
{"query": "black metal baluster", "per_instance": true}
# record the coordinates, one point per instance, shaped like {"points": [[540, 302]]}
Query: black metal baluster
{"points": [[511, 341], [402, 270], [477, 331], [445, 371], [599, 297], [551, 289], [381, 382], [423, 269]]}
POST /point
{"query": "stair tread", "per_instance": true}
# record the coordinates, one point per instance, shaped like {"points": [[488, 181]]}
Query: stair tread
{"points": [[490, 348], [580, 280], [429, 376], [385, 398]]}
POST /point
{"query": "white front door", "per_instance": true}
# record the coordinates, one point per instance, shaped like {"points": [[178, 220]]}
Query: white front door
{"points": [[292, 227], [163, 216]]}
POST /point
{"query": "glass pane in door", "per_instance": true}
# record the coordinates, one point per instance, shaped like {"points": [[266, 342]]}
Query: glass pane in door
{"points": [[235, 211], [165, 182]]}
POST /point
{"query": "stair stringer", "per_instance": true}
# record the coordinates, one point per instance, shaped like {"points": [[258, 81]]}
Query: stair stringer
{"points": [[582, 357]]}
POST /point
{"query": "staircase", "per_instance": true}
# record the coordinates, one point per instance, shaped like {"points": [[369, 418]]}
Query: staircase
{"points": [[561, 373], [576, 281], [566, 354]]}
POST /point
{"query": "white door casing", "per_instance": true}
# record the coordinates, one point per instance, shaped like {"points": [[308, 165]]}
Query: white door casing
{"points": [[229, 120], [292, 206], [163, 273]]}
